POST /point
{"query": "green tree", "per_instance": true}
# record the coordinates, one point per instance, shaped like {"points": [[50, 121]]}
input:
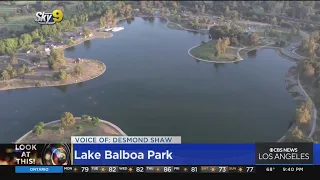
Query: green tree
{"points": [[219, 50], [85, 117], [79, 128], [9, 68], [2, 47], [95, 121], [13, 59], [5, 75], [103, 21], [303, 115], [308, 70], [35, 34], [62, 75], [13, 73], [222, 18], [67, 119], [53, 65], [41, 124], [254, 39], [70, 42], [86, 32], [235, 15], [78, 70], [57, 56], [37, 130], [225, 44], [61, 130]]}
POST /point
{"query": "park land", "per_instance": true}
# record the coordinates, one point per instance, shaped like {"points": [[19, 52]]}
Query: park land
{"points": [[32, 55]]}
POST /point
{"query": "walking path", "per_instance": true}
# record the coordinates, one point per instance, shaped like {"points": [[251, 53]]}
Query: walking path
{"points": [[296, 56]]}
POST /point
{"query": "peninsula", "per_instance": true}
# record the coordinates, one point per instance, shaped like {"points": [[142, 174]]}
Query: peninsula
{"points": [[61, 130]]}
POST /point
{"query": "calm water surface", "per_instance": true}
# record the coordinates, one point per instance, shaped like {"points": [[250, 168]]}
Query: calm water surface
{"points": [[152, 87]]}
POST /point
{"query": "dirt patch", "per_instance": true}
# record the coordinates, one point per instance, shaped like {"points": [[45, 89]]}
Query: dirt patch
{"points": [[43, 76]]}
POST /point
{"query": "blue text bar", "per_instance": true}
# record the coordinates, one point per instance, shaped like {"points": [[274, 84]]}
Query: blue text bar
{"points": [[39, 169]]}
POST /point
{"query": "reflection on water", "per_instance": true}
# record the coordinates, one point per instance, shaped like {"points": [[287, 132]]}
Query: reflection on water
{"points": [[9, 91], [163, 20], [70, 49], [80, 84], [62, 89], [252, 54], [129, 20], [87, 44], [149, 19]]}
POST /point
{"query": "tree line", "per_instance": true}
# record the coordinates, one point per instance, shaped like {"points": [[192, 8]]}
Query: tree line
{"points": [[67, 120], [40, 34]]}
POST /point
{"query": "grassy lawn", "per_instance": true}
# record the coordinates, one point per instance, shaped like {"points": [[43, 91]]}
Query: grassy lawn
{"points": [[205, 51]]}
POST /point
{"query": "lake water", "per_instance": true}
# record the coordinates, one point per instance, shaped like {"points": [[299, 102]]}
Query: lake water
{"points": [[152, 87]]}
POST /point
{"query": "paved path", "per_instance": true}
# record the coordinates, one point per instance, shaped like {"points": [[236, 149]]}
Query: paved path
{"points": [[313, 111], [292, 53], [296, 56]]}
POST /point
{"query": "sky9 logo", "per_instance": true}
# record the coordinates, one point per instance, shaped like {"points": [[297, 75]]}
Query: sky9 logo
{"points": [[49, 18]]}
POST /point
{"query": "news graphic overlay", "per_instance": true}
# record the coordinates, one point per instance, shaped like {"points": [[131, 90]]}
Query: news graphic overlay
{"points": [[156, 150], [35, 154], [49, 18], [284, 153], [56, 154]]}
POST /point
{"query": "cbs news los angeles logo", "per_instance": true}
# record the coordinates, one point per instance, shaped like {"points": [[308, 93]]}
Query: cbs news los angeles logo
{"points": [[49, 18]]}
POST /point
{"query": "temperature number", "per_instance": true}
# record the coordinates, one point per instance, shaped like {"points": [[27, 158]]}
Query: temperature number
{"points": [[85, 169], [139, 169]]}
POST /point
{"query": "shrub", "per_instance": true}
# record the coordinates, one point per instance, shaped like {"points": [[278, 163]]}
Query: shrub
{"points": [[85, 117], [95, 121], [37, 130], [79, 128], [61, 130], [41, 124]]}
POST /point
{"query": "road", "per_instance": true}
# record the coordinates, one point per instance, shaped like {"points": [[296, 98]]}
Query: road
{"points": [[294, 20], [292, 53]]}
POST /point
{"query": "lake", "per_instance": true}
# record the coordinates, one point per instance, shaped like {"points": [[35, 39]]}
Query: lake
{"points": [[152, 87]]}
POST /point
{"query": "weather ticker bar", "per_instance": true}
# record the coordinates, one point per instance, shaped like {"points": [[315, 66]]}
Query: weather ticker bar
{"points": [[157, 169]]}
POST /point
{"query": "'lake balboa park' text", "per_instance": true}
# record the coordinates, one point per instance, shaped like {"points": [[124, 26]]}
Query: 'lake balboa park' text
{"points": [[122, 154]]}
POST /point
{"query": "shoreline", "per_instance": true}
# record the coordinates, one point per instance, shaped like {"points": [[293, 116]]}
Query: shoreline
{"points": [[78, 118], [293, 85], [97, 35]]}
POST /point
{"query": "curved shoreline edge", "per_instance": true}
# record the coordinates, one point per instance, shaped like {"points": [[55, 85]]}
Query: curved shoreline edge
{"points": [[63, 47], [281, 53], [78, 118], [222, 62]]}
